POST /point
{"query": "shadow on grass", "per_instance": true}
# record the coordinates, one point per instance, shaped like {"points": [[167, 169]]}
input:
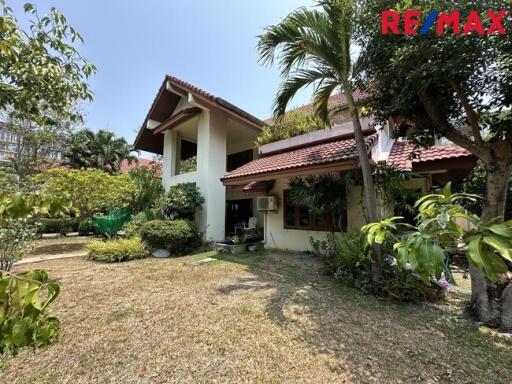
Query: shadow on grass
{"points": [[376, 340]]}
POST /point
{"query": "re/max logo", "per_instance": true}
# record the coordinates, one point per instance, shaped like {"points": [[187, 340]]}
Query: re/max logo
{"points": [[391, 21]]}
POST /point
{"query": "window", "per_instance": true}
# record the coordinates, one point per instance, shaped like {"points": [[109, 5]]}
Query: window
{"points": [[297, 217], [236, 160]]}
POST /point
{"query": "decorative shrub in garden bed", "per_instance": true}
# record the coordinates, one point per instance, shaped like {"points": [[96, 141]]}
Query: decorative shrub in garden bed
{"points": [[132, 228], [179, 237], [86, 227], [60, 225], [117, 250]]}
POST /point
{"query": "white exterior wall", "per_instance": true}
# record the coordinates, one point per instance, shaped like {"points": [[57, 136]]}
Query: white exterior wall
{"points": [[211, 166]]}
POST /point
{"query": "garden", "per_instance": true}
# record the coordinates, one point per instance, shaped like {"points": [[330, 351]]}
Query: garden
{"points": [[140, 297]]}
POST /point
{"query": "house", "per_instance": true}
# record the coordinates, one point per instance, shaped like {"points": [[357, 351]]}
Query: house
{"points": [[187, 125], [141, 162]]}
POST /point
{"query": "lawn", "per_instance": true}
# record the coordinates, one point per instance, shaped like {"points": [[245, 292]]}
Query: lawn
{"points": [[60, 245], [269, 317]]}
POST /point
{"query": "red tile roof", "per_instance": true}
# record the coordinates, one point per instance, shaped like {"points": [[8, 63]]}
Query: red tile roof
{"points": [[312, 155], [339, 98], [142, 163], [403, 154]]}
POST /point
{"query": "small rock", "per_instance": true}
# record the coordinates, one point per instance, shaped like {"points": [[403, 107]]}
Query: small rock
{"points": [[161, 253]]}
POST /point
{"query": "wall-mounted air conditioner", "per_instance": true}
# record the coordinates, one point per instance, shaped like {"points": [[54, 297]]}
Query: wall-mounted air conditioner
{"points": [[266, 203]]}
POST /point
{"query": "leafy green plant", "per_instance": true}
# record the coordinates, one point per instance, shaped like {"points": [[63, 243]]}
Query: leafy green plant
{"points": [[181, 201], [60, 225], [148, 188], [238, 240], [86, 227], [179, 237], [322, 194], [91, 191], [188, 165], [296, 122], [132, 228], [16, 236], [24, 311], [118, 250]]}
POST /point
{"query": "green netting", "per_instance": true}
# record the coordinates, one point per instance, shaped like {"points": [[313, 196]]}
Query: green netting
{"points": [[112, 222]]}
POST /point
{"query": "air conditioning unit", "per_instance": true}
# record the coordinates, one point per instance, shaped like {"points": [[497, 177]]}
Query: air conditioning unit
{"points": [[266, 203]]}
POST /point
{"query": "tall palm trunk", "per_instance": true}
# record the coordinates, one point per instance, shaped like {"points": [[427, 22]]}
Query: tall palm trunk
{"points": [[369, 188], [490, 303]]}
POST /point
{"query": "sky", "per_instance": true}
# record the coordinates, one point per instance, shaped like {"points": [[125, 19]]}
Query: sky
{"points": [[209, 43]]}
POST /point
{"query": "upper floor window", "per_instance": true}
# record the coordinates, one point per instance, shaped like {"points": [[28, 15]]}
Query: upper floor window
{"points": [[236, 160]]}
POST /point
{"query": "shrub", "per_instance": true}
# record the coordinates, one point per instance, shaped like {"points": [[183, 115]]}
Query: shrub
{"points": [[148, 188], [24, 319], [86, 227], [179, 237], [132, 228], [117, 250], [181, 201], [60, 225], [15, 241]]}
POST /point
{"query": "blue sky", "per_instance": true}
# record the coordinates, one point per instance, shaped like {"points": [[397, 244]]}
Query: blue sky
{"points": [[210, 43]]}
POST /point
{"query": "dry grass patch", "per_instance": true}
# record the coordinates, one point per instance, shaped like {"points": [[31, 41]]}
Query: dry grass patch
{"points": [[269, 318], [60, 245]]}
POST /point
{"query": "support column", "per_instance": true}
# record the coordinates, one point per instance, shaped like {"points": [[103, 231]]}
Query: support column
{"points": [[169, 157], [211, 166]]}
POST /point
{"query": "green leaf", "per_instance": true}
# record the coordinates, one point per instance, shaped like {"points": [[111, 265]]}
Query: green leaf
{"points": [[500, 244]]}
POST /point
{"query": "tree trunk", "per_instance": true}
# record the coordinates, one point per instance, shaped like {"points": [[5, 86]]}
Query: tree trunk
{"points": [[368, 186], [485, 303]]}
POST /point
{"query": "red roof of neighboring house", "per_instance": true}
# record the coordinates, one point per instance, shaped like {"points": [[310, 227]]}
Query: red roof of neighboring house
{"points": [[142, 163], [323, 153], [403, 154], [339, 98]]}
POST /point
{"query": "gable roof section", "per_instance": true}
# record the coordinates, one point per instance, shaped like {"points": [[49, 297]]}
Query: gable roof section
{"points": [[401, 153], [145, 139], [335, 155]]}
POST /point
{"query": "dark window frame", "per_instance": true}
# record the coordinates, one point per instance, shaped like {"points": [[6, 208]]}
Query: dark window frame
{"points": [[312, 226]]}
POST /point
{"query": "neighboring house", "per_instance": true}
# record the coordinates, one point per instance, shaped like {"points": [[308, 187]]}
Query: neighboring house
{"points": [[140, 163], [232, 172]]}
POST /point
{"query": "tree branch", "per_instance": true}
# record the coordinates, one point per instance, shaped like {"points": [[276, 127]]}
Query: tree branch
{"points": [[444, 127], [472, 115]]}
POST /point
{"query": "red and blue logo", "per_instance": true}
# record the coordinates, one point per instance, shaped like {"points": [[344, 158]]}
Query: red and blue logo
{"points": [[410, 22]]}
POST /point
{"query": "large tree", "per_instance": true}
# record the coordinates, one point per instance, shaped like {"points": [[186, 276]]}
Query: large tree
{"points": [[313, 47], [450, 85], [103, 150], [42, 74]]}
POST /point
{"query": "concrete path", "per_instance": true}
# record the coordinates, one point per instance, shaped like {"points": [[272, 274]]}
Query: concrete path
{"points": [[41, 258]]}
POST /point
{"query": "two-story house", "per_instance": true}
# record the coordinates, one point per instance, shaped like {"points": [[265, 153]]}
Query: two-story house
{"points": [[211, 142]]}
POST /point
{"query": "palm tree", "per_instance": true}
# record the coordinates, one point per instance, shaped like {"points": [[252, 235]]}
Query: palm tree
{"points": [[313, 49], [103, 150]]}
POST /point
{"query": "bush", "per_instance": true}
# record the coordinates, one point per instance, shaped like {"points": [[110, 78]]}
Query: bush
{"points": [[148, 188], [24, 319], [348, 258], [86, 227], [181, 201], [16, 237], [132, 228], [60, 225], [117, 250], [179, 237]]}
